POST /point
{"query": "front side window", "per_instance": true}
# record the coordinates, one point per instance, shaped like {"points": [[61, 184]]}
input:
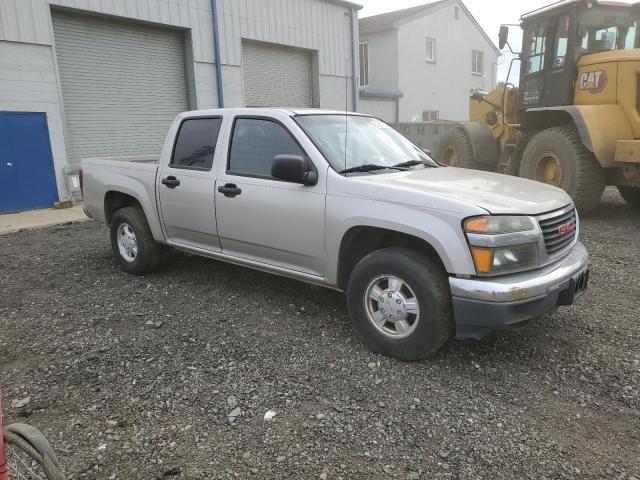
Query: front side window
{"points": [[254, 144], [535, 47], [364, 64], [349, 141], [562, 42], [431, 49], [477, 62], [196, 144]]}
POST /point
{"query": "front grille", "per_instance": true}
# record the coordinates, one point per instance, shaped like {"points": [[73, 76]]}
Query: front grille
{"points": [[559, 231]]}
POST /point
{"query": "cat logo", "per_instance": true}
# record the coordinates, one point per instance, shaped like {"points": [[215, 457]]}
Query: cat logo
{"points": [[594, 81]]}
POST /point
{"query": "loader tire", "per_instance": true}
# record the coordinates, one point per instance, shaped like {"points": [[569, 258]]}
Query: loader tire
{"points": [[455, 149], [631, 195], [558, 157]]}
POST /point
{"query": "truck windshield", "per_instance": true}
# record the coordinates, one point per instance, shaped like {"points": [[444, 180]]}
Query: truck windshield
{"points": [[351, 141], [603, 29]]}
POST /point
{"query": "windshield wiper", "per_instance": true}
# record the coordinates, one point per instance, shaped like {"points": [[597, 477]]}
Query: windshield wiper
{"points": [[369, 167], [413, 163]]}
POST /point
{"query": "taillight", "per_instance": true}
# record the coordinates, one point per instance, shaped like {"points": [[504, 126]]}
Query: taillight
{"points": [[81, 183]]}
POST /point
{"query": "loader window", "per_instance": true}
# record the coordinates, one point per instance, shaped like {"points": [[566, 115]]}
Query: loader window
{"points": [[606, 29], [562, 42], [536, 45]]}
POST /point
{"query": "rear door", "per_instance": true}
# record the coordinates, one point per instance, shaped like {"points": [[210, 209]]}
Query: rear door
{"points": [[186, 184], [265, 219]]}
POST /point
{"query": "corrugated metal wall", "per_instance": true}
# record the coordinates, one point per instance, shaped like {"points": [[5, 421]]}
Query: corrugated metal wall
{"points": [[123, 83], [311, 24]]}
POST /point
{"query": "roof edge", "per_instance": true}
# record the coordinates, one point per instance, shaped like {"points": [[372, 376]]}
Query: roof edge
{"points": [[346, 3]]}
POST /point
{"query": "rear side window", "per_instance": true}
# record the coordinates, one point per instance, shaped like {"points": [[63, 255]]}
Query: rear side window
{"points": [[196, 144], [254, 144]]}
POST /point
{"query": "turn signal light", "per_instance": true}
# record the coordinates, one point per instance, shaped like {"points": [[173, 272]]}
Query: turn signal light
{"points": [[483, 258]]}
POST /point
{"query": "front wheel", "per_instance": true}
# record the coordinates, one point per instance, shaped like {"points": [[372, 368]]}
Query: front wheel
{"points": [[399, 301], [557, 156], [29, 455]]}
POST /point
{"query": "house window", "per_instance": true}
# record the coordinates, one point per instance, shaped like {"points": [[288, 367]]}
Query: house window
{"points": [[429, 115], [431, 50], [477, 62], [456, 12], [364, 64]]}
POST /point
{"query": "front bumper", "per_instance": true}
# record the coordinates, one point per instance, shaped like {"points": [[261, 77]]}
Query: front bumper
{"points": [[481, 305]]}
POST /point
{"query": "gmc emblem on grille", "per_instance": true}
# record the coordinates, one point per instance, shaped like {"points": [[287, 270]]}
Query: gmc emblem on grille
{"points": [[565, 229]]}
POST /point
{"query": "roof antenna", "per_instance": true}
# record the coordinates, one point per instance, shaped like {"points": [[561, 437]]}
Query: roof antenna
{"points": [[346, 100]]}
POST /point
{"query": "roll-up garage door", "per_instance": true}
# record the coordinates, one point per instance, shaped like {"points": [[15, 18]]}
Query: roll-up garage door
{"points": [[276, 75], [122, 84]]}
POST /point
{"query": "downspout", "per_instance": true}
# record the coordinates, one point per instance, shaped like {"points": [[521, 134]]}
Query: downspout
{"points": [[354, 54], [216, 52]]}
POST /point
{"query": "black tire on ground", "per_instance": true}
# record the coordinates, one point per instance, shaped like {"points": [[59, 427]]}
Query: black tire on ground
{"points": [[578, 172], [430, 285], [147, 256], [21, 451], [631, 195], [455, 149]]}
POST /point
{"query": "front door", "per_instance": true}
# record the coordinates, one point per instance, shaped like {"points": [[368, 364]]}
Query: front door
{"points": [[261, 218], [27, 178], [186, 185]]}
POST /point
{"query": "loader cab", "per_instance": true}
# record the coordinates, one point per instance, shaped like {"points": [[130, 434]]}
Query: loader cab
{"points": [[556, 37]]}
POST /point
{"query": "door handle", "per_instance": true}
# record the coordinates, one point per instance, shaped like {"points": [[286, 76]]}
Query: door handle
{"points": [[230, 190], [171, 181]]}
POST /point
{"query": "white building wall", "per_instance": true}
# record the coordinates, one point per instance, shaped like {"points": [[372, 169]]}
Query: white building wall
{"points": [[443, 86], [27, 42], [28, 83], [385, 109]]}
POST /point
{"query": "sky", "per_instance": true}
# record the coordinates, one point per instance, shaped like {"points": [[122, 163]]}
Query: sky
{"points": [[490, 14]]}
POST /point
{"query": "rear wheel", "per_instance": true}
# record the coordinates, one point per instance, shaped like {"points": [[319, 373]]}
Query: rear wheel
{"points": [[455, 149], [29, 455], [132, 242], [557, 156], [631, 195], [399, 301]]}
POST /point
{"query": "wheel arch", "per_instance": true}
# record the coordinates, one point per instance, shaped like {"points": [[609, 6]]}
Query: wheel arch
{"points": [[359, 241], [599, 126]]}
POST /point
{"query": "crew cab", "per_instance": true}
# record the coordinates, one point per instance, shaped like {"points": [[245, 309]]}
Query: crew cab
{"points": [[423, 251]]}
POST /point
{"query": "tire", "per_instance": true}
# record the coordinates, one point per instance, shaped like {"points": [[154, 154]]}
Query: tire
{"points": [[631, 195], [558, 157], [146, 256], [28, 452], [428, 286], [455, 149]]}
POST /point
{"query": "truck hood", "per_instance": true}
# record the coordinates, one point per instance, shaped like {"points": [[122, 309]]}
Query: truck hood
{"points": [[496, 193]]}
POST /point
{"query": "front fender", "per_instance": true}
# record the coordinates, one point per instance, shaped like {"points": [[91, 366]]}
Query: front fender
{"points": [[442, 230], [600, 126]]}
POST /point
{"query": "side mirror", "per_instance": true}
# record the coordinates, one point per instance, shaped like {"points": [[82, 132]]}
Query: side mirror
{"points": [[293, 168], [503, 36]]}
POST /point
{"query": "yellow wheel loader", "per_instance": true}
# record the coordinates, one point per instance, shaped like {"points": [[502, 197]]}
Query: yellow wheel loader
{"points": [[574, 119]]}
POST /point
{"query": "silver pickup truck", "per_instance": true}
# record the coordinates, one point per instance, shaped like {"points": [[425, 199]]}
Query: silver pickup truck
{"points": [[424, 252]]}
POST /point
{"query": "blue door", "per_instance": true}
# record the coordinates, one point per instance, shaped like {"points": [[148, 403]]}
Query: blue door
{"points": [[27, 178]]}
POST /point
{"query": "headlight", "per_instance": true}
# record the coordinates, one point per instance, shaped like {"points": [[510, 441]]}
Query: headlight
{"points": [[497, 225], [502, 244]]}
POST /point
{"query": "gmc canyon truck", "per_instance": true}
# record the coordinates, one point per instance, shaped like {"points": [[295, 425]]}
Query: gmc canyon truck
{"points": [[423, 251]]}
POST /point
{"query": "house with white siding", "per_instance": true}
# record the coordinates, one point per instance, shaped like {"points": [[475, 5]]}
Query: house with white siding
{"points": [[85, 78], [421, 63]]}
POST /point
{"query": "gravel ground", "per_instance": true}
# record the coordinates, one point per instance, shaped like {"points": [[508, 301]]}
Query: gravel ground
{"points": [[170, 375]]}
